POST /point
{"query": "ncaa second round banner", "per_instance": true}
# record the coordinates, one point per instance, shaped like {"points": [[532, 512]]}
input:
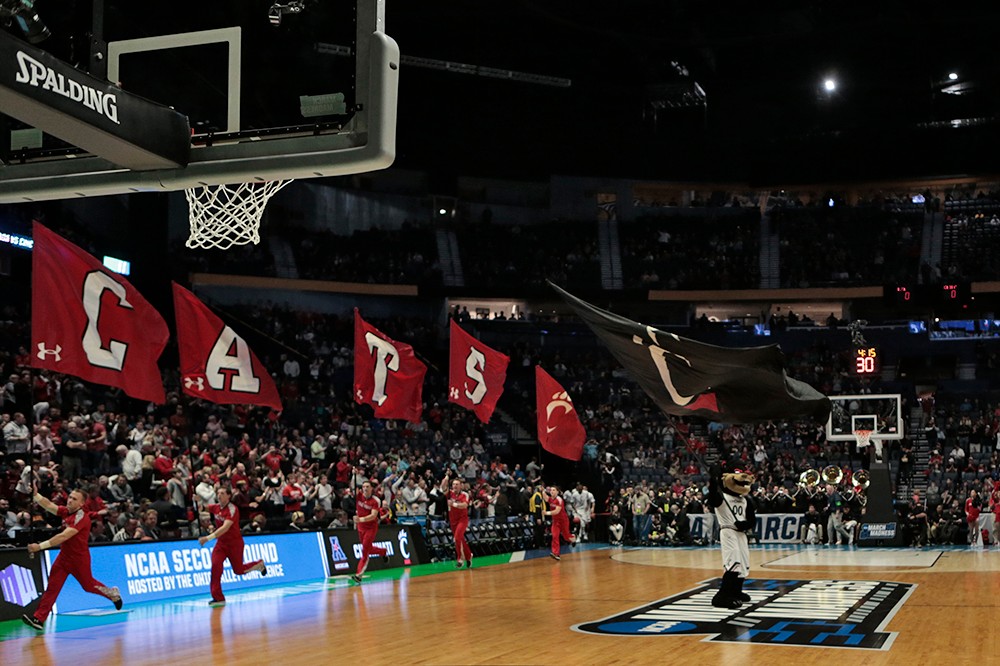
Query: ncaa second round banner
{"points": [[154, 571]]}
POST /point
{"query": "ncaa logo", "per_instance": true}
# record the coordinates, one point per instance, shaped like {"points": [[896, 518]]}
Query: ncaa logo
{"points": [[338, 554], [815, 613]]}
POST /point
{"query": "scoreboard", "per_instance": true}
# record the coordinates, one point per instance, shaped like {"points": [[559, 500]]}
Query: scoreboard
{"points": [[947, 296], [867, 361]]}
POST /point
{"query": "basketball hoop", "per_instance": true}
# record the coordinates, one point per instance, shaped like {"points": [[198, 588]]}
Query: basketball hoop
{"points": [[225, 215], [863, 438]]}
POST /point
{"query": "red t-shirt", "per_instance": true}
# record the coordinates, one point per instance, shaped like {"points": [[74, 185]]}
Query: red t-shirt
{"points": [[94, 505], [273, 461], [220, 514], [455, 515], [164, 467], [76, 546], [293, 497], [365, 507], [343, 472], [557, 502]]}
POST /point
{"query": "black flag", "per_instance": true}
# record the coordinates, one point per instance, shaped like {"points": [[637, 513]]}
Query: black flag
{"points": [[689, 378]]}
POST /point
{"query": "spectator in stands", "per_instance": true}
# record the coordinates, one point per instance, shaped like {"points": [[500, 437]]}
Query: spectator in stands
{"points": [[17, 437], [256, 526], [129, 532], [204, 492], [8, 519]]}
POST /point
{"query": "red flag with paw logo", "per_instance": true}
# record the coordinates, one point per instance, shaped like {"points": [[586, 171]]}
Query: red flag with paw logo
{"points": [[559, 427]]}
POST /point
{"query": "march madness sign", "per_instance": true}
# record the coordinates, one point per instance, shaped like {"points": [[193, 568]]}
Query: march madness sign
{"points": [[816, 613]]}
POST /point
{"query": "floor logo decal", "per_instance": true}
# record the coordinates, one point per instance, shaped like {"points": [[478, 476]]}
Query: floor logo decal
{"points": [[817, 613]]}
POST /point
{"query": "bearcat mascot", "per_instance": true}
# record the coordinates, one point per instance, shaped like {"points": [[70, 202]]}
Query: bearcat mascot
{"points": [[729, 495]]}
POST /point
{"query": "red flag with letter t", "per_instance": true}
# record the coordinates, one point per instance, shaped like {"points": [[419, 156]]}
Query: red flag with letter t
{"points": [[216, 363], [387, 374], [559, 427], [91, 323], [476, 374]]}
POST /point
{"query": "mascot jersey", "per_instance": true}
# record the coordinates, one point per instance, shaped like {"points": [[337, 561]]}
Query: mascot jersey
{"points": [[733, 509]]}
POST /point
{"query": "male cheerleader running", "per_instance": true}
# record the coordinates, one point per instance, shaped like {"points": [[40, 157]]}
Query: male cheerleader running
{"points": [[229, 545]]}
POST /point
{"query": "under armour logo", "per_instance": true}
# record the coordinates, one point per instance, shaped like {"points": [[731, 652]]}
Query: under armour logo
{"points": [[453, 393], [198, 383], [43, 352]]}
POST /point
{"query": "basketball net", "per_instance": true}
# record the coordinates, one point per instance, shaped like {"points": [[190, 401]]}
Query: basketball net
{"points": [[225, 215], [864, 438]]}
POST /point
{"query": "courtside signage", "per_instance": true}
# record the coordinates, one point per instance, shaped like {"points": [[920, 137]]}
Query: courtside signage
{"points": [[151, 571], [815, 613]]}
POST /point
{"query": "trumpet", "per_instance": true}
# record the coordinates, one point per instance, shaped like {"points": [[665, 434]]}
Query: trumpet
{"points": [[833, 475], [809, 478]]}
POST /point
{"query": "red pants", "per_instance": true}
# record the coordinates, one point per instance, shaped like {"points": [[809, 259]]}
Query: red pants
{"points": [[462, 550], [220, 553], [367, 535], [560, 527], [64, 566]]}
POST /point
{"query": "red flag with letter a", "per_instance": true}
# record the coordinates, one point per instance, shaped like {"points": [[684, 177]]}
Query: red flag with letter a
{"points": [[559, 427], [476, 374], [216, 364], [387, 374], [91, 323]]}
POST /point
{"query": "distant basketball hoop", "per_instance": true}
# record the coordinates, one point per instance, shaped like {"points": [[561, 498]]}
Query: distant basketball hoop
{"points": [[864, 438], [222, 216]]}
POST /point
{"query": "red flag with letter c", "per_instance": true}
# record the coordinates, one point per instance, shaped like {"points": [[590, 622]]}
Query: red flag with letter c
{"points": [[559, 427], [91, 323]]}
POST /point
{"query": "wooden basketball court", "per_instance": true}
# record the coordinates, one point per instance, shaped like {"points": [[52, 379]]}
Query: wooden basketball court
{"points": [[531, 612]]}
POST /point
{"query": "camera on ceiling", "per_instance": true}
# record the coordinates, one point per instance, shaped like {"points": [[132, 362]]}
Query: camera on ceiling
{"points": [[23, 14], [280, 9]]}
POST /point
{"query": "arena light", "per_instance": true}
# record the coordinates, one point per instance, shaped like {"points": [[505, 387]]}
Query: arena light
{"points": [[829, 85], [952, 76]]}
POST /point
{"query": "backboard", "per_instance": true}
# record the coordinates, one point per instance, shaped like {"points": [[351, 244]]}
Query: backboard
{"points": [[272, 90], [883, 413]]}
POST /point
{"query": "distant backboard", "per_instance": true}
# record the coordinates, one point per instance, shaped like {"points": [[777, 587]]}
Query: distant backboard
{"points": [[880, 413], [272, 90]]}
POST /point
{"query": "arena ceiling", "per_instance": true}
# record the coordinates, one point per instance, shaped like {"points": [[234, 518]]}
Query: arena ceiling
{"points": [[615, 88]]}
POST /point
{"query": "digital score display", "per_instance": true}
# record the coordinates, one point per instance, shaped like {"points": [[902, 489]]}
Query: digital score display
{"points": [[867, 361], [946, 296]]}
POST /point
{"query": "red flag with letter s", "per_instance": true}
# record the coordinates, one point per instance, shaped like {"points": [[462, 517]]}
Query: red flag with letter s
{"points": [[559, 427], [387, 374], [216, 363], [476, 374], [91, 323]]}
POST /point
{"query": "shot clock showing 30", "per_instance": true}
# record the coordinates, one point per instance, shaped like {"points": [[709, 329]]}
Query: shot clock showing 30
{"points": [[867, 362]]}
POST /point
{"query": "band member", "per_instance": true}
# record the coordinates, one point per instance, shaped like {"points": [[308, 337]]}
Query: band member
{"points": [[368, 507], [560, 521], [229, 544], [458, 516], [73, 558]]}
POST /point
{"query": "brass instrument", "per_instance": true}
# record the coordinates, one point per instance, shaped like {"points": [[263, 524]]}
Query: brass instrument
{"points": [[862, 478], [809, 478], [833, 475]]}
